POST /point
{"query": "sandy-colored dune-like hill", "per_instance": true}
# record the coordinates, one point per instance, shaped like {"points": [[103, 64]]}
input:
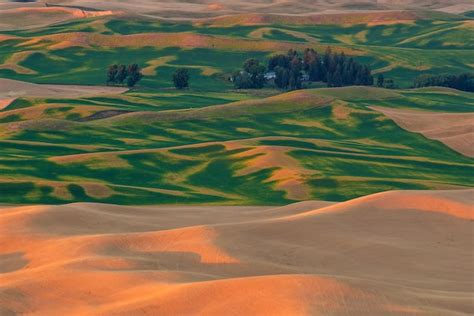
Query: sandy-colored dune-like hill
{"points": [[203, 8], [392, 253], [37, 15], [42, 12], [12, 89], [455, 130]]}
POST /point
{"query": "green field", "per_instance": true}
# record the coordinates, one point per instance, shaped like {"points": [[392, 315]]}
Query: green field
{"points": [[400, 51], [213, 144]]}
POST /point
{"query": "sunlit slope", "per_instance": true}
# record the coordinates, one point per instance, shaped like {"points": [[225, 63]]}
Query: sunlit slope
{"points": [[301, 259], [24, 16], [76, 52], [324, 143], [212, 144]]}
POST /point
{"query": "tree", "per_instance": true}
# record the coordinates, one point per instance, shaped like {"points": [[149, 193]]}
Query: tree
{"points": [[251, 77], [311, 63], [296, 66], [122, 74], [278, 61], [134, 75], [181, 78], [337, 77], [282, 79], [242, 80], [369, 79], [292, 54], [112, 74], [321, 70], [329, 60], [256, 71], [363, 76], [380, 80], [359, 76]]}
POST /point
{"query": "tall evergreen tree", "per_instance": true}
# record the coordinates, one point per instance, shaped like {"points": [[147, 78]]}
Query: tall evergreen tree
{"points": [[359, 76], [346, 72], [368, 78], [337, 77], [310, 64], [321, 70], [327, 57], [295, 73]]}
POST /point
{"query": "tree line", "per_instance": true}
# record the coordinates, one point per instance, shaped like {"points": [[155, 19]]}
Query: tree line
{"points": [[464, 82], [131, 75], [290, 70]]}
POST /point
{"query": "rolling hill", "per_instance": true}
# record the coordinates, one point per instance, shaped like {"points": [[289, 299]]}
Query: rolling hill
{"points": [[212, 144], [296, 146], [309, 258], [213, 200]]}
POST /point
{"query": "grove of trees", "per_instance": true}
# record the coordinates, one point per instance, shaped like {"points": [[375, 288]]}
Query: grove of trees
{"points": [[464, 82], [121, 74], [290, 70]]}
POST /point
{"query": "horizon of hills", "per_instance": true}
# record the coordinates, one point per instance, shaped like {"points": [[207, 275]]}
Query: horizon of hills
{"points": [[207, 8]]}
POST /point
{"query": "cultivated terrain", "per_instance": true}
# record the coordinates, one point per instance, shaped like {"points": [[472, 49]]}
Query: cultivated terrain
{"points": [[130, 200], [309, 258]]}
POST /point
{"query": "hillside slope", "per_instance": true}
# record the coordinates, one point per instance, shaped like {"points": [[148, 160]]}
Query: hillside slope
{"points": [[310, 258], [309, 144], [198, 9]]}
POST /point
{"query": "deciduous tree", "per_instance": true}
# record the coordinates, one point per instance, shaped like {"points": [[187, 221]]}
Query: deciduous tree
{"points": [[181, 78]]}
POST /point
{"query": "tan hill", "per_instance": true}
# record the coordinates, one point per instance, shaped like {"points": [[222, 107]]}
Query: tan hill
{"points": [[29, 16], [393, 253], [187, 9], [455, 130], [12, 89]]}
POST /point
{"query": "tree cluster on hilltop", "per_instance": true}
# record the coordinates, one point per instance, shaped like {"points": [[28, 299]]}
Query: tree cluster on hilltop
{"points": [[464, 82], [121, 74], [290, 70]]}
